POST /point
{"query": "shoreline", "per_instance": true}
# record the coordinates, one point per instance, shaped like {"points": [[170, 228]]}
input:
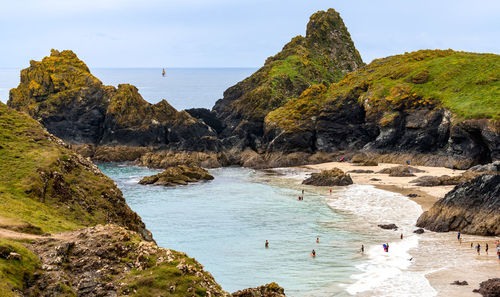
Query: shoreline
{"points": [[438, 256]]}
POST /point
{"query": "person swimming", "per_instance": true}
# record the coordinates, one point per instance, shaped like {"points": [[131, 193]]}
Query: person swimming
{"points": [[267, 244], [313, 253]]}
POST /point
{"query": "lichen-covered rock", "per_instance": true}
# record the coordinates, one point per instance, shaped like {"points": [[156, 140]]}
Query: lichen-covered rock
{"points": [[332, 177], [268, 290], [74, 105], [401, 171], [324, 55], [178, 175], [113, 261], [472, 207]]}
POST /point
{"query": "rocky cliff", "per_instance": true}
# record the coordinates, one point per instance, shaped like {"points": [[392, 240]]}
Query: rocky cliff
{"points": [[472, 207], [72, 104], [438, 107], [324, 55]]}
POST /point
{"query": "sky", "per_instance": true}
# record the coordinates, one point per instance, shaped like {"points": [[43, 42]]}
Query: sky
{"points": [[231, 33]]}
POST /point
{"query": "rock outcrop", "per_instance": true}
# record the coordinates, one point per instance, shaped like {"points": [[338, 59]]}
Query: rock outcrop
{"points": [[401, 171], [74, 105], [445, 180], [113, 261], [489, 288], [472, 208], [332, 177], [178, 175], [324, 55], [268, 290]]}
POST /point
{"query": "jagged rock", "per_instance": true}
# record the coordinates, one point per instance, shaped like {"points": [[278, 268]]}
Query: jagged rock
{"points": [[491, 167], [400, 171], [460, 283], [178, 175], [388, 226], [74, 105], [419, 231], [268, 290], [110, 261], [472, 207], [333, 177], [489, 288], [325, 54]]}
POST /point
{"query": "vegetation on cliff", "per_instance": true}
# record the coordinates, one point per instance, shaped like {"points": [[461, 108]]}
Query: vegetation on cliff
{"points": [[468, 84], [324, 55], [46, 187]]}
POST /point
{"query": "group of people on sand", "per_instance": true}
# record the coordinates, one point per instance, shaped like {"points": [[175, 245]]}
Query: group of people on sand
{"points": [[477, 247]]}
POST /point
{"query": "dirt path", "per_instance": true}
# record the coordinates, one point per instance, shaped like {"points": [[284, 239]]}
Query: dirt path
{"points": [[5, 233]]}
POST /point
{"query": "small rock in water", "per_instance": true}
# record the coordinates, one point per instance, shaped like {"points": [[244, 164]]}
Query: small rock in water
{"points": [[460, 283], [388, 226], [419, 231]]}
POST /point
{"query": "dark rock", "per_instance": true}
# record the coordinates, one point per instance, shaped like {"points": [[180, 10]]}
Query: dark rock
{"points": [[412, 195], [491, 167], [208, 117], [333, 177], [460, 283], [360, 171], [388, 226], [178, 175], [489, 288], [472, 207], [419, 231], [401, 171], [375, 179], [445, 180], [268, 290]]}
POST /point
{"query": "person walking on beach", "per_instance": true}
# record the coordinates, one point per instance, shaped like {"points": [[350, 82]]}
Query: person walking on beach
{"points": [[401, 236], [362, 249], [330, 191], [471, 245], [478, 248], [458, 236], [387, 247], [266, 244], [486, 248]]}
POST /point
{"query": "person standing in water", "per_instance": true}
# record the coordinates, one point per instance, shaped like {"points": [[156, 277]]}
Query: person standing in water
{"points": [[266, 244], [401, 235], [313, 253], [362, 249], [317, 239], [478, 248]]}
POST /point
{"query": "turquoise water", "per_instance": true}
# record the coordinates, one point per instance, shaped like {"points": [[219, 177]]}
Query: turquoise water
{"points": [[183, 88], [225, 222]]}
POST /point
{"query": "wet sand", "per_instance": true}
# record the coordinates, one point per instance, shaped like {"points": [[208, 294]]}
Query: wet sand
{"points": [[439, 255]]}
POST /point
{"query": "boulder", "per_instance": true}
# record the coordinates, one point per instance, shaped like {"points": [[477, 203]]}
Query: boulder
{"points": [[333, 177], [460, 283], [489, 288], [360, 171], [445, 180], [418, 231], [388, 226], [401, 171], [268, 290], [472, 207], [177, 175]]}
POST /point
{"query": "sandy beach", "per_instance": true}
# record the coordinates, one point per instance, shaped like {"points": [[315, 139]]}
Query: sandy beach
{"points": [[439, 255]]}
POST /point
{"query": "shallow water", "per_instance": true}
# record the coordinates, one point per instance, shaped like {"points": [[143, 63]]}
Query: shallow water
{"points": [[225, 222]]}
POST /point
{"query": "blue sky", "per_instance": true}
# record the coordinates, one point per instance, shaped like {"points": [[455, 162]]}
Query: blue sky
{"points": [[223, 33]]}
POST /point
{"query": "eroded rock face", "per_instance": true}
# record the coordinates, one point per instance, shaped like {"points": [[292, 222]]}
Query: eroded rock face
{"points": [[268, 290], [472, 207], [178, 175], [325, 54], [74, 105], [489, 288], [333, 177], [113, 261]]}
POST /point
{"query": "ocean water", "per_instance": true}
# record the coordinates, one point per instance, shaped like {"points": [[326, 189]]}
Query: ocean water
{"points": [[224, 223], [183, 88]]}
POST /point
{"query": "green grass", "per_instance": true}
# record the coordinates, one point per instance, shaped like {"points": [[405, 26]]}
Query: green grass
{"points": [[15, 273], [467, 84], [78, 199]]}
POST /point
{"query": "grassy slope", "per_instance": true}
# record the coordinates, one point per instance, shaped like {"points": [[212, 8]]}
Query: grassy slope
{"points": [[467, 84]]}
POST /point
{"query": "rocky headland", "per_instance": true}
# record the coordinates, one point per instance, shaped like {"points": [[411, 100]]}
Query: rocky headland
{"points": [[472, 207], [178, 175]]}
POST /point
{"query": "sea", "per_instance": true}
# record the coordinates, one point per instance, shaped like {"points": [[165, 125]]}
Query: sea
{"points": [[225, 222]]}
